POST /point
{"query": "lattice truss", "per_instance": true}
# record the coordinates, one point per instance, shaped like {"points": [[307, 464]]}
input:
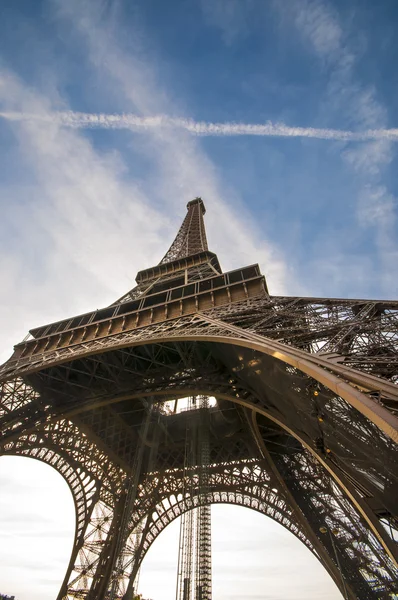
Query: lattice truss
{"points": [[93, 479], [353, 547], [194, 555], [191, 237], [360, 333], [282, 439], [330, 332]]}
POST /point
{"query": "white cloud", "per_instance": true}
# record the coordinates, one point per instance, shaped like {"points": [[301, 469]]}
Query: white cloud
{"points": [[377, 206], [183, 170], [317, 21], [78, 120], [370, 159], [320, 26], [90, 228]]}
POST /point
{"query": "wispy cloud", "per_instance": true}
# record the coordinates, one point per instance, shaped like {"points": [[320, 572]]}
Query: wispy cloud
{"points": [[181, 167], [320, 24], [230, 16], [78, 213], [358, 104], [80, 120]]}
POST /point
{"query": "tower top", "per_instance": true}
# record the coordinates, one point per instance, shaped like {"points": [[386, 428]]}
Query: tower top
{"points": [[188, 258], [197, 201], [191, 237]]}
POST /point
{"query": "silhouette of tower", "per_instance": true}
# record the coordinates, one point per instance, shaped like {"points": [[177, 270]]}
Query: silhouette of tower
{"points": [[305, 428]]}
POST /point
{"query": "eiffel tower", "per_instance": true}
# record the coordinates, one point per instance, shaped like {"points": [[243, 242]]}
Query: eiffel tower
{"points": [[304, 429]]}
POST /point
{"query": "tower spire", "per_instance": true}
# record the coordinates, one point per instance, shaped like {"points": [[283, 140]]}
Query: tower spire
{"points": [[188, 259], [191, 238]]}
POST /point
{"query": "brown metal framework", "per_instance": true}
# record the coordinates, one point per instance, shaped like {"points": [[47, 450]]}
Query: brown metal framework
{"points": [[305, 429], [194, 552]]}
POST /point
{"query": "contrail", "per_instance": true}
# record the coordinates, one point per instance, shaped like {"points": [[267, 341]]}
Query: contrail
{"points": [[79, 120]]}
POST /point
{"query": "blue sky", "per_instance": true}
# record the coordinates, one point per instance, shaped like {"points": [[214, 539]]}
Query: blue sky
{"points": [[281, 114]]}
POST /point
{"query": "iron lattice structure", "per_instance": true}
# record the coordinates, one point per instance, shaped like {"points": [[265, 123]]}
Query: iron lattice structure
{"points": [[305, 429], [194, 555]]}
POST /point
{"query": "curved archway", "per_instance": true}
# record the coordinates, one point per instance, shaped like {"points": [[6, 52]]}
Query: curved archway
{"points": [[242, 485], [252, 557], [91, 477], [55, 446]]}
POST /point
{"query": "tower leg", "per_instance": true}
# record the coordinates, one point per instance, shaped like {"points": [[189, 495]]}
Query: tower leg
{"points": [[87, 569], [362, 562]]}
